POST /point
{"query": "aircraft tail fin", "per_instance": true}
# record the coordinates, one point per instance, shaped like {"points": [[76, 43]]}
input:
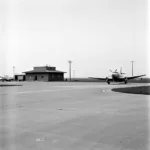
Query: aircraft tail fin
{"points": [[121, 70]]}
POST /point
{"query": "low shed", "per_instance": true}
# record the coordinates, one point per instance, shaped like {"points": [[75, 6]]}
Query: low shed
{"points": [[19, 77]]}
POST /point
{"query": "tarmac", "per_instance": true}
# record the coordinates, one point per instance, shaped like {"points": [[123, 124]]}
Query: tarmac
{"points": [[73, 116]]}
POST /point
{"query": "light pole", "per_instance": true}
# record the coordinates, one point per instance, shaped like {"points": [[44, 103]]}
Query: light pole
{"points": [[14, 72], [70, 69], [132, 67], [74, 73]]}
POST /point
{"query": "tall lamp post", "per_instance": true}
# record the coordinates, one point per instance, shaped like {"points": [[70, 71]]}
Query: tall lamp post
{"points": [[14, 72], [74, 73], [70, 69], [132, 67]]}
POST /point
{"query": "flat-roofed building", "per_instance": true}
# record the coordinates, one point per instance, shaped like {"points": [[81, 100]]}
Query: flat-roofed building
{"points": [[19, 77], [44, 73]]}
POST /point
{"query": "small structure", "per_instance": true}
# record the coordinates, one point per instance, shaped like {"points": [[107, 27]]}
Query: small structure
{"points": [[44, 73], [19, 77]]}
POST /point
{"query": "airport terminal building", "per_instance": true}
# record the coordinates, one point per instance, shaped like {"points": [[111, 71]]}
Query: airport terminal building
{"points": [[44, 73]]}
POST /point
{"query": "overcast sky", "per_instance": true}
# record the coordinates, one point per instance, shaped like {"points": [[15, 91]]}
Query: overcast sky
{"points": [[97, 35]]}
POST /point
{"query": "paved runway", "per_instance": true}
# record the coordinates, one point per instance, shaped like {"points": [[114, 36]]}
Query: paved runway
{"points": [[72, 116]]}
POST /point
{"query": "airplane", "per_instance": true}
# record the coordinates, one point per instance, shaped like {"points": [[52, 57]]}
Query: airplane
{"points": [[1, 78], [6, 79], [117, 77]]}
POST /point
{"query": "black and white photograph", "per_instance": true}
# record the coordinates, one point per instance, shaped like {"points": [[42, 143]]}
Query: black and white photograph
{"points": [[74, 75]]}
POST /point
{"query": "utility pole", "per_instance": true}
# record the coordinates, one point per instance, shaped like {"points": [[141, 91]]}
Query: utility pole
{"points": [[70, 69], [74, 73], [132, 67], [14, 72]]}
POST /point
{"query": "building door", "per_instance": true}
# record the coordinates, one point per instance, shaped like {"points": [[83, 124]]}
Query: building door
{"points": [[35, 78]]}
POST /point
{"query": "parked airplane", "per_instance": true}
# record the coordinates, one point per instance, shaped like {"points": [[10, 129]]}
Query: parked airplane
{"points": [[1, 79], [6, 79], [117, 77]]}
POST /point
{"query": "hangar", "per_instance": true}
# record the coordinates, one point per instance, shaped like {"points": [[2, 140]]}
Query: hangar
{"points": [[44, 73]]}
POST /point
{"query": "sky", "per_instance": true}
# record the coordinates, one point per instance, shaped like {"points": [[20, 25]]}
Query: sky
{"points": [[96, 35]]}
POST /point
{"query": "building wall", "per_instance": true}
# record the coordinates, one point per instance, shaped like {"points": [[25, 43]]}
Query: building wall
{"points": [[37, 77], [19, 77], [43, 68], [45, 77], [56, 77]]}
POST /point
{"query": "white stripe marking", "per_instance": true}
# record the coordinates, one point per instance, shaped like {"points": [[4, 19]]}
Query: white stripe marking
{"points": [[69, 88], [38, 91]]}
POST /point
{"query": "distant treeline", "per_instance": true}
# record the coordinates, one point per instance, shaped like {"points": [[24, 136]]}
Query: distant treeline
{"points": [[138, 80]]}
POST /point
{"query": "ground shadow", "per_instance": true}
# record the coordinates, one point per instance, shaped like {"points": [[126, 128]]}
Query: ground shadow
{"points": [[119, 83], [4, 85], [134, 90]]}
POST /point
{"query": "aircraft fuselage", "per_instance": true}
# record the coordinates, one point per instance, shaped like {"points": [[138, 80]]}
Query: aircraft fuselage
{"points": [[118, 77]]}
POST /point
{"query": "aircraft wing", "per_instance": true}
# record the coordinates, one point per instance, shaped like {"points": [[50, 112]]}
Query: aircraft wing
{"points": [[1, 77], [133, 77], [103, 79]]}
